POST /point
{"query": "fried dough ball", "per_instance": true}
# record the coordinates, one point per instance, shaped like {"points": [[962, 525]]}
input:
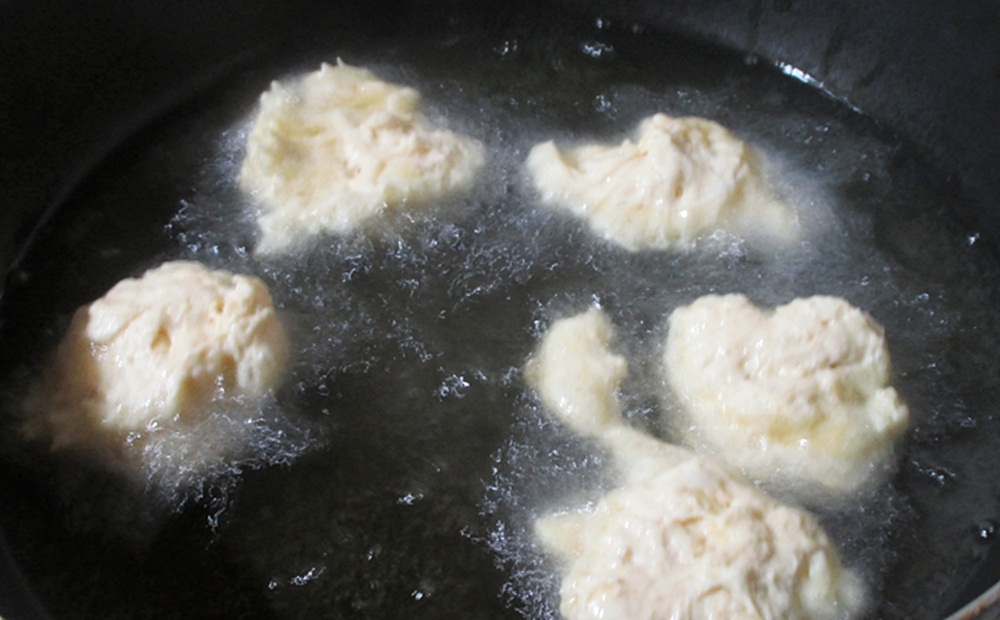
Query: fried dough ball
{"points": [[155, 352], [684, 539], [801, 394], [338, 146], [681, 179]]}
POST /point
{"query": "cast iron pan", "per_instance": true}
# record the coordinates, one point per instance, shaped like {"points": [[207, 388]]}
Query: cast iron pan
{"points": [[86, 90]]}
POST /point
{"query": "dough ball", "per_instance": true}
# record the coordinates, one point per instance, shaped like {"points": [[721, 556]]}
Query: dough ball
{"points": [[575, 373], [684, 539], [800, 394], [681, 179], [154, 353], [337, 146]]}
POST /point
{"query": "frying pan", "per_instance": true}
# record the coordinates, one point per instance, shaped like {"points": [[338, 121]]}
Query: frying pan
{"points": [[82, 82]]}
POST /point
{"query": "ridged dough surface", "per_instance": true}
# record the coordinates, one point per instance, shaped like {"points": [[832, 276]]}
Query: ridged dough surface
{"points": [[333, 148], [155, 352], [679, 180], [798, 394]]}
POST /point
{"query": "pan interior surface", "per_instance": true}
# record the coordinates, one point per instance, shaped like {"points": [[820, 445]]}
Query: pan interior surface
{"points": [[420, 456]]}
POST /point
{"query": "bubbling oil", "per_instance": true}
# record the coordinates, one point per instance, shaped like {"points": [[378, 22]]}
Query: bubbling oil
{"points": [[418, 458]]}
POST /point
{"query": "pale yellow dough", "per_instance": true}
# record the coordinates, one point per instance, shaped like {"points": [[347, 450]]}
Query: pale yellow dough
{"points": [[576, 374], [681, 538], [801, 394], [681, 179], [337, 146], [154, 352]]}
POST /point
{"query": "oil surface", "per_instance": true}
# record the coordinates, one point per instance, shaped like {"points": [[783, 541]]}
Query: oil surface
{"points": [[418, 457]]}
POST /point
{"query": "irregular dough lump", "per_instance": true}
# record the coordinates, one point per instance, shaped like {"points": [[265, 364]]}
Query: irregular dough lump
{"points": [[681, 538], [154, 352], [575, 373], [337, 146], [682, 178], [684, 539], [800, 394]]}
